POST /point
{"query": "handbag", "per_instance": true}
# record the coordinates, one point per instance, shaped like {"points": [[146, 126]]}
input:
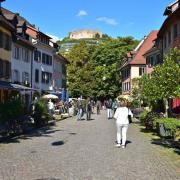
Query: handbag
{"points": [[129, 118]]}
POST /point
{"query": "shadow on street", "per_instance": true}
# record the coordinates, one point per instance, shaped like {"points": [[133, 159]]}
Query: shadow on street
{"points": [[58, 143], [43, 132]]}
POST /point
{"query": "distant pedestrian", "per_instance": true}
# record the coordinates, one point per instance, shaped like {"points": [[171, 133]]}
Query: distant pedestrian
{"points": [[108, 105], [114, 105], [79, 109], [98, 106], [89, 110], [51, 107], [121, 116], [92, 105], [71, 108]]}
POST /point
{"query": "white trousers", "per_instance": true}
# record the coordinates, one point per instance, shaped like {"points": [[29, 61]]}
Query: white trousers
{"points": [[109, 113], [121, 133]]}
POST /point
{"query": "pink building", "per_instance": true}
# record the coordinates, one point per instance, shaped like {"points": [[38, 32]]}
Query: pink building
{"points": [[135, 63]]}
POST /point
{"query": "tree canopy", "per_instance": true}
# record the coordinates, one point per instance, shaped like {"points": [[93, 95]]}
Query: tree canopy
{"points": [[93, 68], [165, 80]]}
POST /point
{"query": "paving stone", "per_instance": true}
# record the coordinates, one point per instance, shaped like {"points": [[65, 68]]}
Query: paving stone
{"points": [[76, 150]]}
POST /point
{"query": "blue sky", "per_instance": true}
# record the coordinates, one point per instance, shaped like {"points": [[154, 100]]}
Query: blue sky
{"points": [[114, 17]]}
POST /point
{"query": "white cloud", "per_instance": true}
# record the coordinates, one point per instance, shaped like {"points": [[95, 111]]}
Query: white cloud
{"points": [[55, 38], [82, 13], [109, 21]]}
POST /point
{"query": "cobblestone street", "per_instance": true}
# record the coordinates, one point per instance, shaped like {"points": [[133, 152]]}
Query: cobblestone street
{"points": [[76, 150]]}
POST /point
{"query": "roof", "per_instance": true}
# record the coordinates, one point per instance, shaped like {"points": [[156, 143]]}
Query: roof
{"points": [[25, 42], [6, 23], [130, 54], [9, 16], [171, 8], [10, 13], [43, 34], [153, 49], [174, 16], [59, 56], [146, 44], [21, 23]]}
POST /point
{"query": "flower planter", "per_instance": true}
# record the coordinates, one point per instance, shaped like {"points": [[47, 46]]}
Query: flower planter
{"points": [[163, 132]]}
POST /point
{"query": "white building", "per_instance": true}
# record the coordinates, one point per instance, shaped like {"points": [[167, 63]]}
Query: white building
{"points": [[47, 68], [59, 74], [21, 66], [85, 33]]}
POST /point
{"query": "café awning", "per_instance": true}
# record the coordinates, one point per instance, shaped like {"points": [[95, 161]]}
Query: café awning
{"points": [[5, 85], [12, 86]]}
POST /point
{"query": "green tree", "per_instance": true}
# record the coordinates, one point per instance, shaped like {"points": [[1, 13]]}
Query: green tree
{"points": [[97, 36], [93, 68], [165, 80], [105, 36], [80, 70], [107, 56]]}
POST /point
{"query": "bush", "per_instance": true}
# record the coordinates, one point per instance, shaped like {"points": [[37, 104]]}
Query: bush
{"points": [[41, 113], [172, 125], [148, 118], [11, 113], [143, 116], [135, 104], [11, 110]]}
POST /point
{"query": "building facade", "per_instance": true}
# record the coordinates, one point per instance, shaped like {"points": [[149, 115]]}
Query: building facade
{"points": [[168, 37], [59, 74], [135, 64], [7, 32], [169, 34], [28, 59], [85, 34], [47, 71]]}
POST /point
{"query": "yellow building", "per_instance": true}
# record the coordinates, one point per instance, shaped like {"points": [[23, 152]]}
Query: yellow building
{"points": [[6, 35]]}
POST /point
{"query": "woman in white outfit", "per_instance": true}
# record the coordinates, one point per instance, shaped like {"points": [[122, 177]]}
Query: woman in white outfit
{"points": [[121, 116]]}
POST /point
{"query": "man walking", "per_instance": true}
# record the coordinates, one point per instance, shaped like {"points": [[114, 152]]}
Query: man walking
{"points": [[109, 108], [79, 109], [89, 110], [98, 106]]}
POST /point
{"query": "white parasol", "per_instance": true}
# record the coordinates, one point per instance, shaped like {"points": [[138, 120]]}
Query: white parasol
{"points": [[50, 96]]}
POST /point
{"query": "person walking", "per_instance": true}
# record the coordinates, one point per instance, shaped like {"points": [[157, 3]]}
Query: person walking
{"points": [[79, 109], [89, 110], [114, 105], [98, 106], [122, 121], [109, 108], [51, 107]]}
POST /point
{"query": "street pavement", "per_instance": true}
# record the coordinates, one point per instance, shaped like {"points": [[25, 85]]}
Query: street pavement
{"points": [[84, 150]]}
